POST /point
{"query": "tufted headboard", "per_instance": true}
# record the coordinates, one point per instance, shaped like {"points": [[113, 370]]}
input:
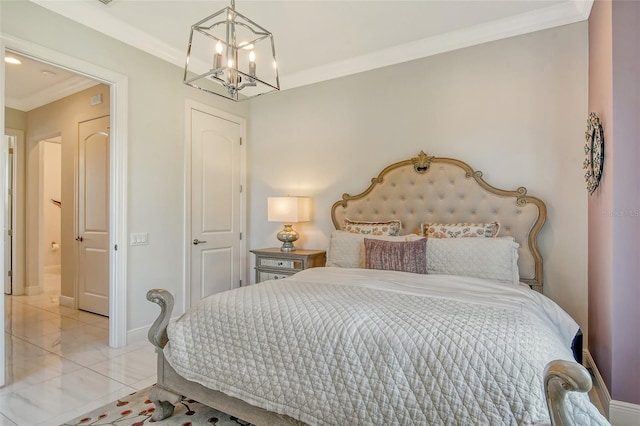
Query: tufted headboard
{"points": [[445, 190]]}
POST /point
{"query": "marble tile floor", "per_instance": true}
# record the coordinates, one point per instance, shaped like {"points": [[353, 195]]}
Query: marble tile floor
{"points": [[59, 364]]}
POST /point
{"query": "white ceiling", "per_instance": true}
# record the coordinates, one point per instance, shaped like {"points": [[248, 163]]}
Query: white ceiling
{"points": [[32, 84], [320, 40]]}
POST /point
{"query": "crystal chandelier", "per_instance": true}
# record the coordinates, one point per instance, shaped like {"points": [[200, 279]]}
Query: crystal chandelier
{"points": [[231, 56]]}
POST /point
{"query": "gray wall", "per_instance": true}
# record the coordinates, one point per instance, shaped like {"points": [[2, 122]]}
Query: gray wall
{"points": [[515, 109]]}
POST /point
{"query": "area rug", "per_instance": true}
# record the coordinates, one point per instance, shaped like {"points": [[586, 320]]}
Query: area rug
{"points": [[136, 410]]}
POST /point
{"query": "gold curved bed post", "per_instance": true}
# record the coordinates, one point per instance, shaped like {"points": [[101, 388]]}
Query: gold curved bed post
{"points": [[418, 172]]}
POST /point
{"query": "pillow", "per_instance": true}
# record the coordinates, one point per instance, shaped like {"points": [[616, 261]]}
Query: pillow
{"points": [[406, 256], [489, 258], [346, 249], [389, 227], [459, 230]]}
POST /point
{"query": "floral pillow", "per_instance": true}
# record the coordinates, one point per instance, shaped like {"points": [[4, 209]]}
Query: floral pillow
{"points": [[389, 227], [460, 230]]}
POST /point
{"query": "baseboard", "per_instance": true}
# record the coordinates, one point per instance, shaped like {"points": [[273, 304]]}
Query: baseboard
{"points": [[69, 302], [53, 269], [138, 334], [619, 413], [624, 413], [32, 290]]}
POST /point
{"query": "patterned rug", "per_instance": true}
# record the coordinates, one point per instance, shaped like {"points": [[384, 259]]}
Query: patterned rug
{"points": [[136, 410]]}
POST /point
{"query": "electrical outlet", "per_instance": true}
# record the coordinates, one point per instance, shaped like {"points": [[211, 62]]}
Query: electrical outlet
{"points": [[139, 239]]}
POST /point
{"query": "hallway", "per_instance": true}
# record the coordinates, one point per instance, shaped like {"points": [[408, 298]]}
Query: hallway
{"points": [[59, 363]]}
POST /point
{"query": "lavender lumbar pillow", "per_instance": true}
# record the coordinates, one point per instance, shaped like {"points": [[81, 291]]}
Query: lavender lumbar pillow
{"points": [[405, 256]]}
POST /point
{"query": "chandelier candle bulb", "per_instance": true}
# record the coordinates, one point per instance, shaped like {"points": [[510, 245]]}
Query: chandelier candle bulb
{"points": [[252, 64], [218, 57]]}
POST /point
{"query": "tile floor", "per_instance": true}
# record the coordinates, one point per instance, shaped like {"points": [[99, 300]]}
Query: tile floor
{"points": [[59, 363]]}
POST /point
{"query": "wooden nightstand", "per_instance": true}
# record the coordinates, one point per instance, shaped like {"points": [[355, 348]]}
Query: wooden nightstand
{"points": [[273, 264]]}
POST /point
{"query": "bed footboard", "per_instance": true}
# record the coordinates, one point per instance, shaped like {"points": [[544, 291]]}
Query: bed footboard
{"points": [[171, 388], [163, 399], [560, 378], [158, 331]]}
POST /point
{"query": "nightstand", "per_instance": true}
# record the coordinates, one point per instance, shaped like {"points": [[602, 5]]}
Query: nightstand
{"points": [[273, 264]]}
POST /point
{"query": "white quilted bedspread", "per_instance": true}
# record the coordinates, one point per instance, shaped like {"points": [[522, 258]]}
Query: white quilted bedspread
{"points": [[333, 346]]}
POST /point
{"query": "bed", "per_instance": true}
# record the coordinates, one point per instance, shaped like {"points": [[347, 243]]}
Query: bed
{"points": [[409, 322]]}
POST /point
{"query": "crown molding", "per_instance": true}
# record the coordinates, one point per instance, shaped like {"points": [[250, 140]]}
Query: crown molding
{"points": [[99, 20], [541, 19], [51, 94], [561, 14]]}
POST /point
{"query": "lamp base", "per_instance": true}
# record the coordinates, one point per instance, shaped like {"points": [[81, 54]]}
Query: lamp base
{"points": [[288, 236]]}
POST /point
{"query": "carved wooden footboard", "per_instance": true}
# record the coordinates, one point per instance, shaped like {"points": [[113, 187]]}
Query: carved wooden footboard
{"points": [[171, 388], [560, 377]]}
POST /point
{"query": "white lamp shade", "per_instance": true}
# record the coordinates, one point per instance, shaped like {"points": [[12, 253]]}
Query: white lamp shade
{"points": [[289, 209]]}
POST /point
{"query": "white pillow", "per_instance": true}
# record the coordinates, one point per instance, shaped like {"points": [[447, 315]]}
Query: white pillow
{"points": [[346, 249], [488, 258]]}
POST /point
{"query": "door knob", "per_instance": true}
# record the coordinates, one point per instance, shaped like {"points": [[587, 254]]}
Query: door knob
{"points": [[197, 241], [79, 239]]}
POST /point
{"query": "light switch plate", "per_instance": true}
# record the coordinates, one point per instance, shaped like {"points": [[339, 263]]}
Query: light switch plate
{"points": [[97, 99], [139, 239]]}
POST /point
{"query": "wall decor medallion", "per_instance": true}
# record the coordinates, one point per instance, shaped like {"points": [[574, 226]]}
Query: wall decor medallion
{"points": [[594, 151]]}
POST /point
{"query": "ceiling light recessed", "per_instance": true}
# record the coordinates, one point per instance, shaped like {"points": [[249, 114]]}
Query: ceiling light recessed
{"points": [[12, 60], [48, 74]]}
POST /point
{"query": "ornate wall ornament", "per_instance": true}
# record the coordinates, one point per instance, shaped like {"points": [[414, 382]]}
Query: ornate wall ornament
{"points": [[422, 162], [594, 151]]}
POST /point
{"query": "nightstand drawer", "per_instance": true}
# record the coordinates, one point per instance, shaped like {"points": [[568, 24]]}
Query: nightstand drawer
{"points": [[274, 264], [280, 263], [263, 276]]}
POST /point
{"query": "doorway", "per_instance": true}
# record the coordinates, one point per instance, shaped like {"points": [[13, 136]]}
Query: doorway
{"points": [[51, 205], [61, 158], [118, 85]]}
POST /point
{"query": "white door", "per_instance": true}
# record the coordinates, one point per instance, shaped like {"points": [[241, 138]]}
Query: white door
{"points": [[3, 158], [93, 216], [8, 147], [216, 217]]}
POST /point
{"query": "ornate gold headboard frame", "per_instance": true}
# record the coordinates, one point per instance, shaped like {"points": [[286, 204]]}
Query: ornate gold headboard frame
{"points": [[446, 190]]}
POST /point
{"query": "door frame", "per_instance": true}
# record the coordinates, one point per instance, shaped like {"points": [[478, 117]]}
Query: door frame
{"points": [[118, 84], [18, 226], [190, 104]]}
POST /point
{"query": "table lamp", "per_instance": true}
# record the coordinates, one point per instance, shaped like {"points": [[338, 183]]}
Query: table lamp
{"points": [[288, 210]]}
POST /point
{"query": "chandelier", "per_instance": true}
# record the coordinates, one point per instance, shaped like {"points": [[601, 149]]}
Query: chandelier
{"points": [[231, 56]]}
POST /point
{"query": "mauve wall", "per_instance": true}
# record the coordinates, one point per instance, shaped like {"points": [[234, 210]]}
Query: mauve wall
{"points": [[626, 196], [614, 209], [599, 224]]}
